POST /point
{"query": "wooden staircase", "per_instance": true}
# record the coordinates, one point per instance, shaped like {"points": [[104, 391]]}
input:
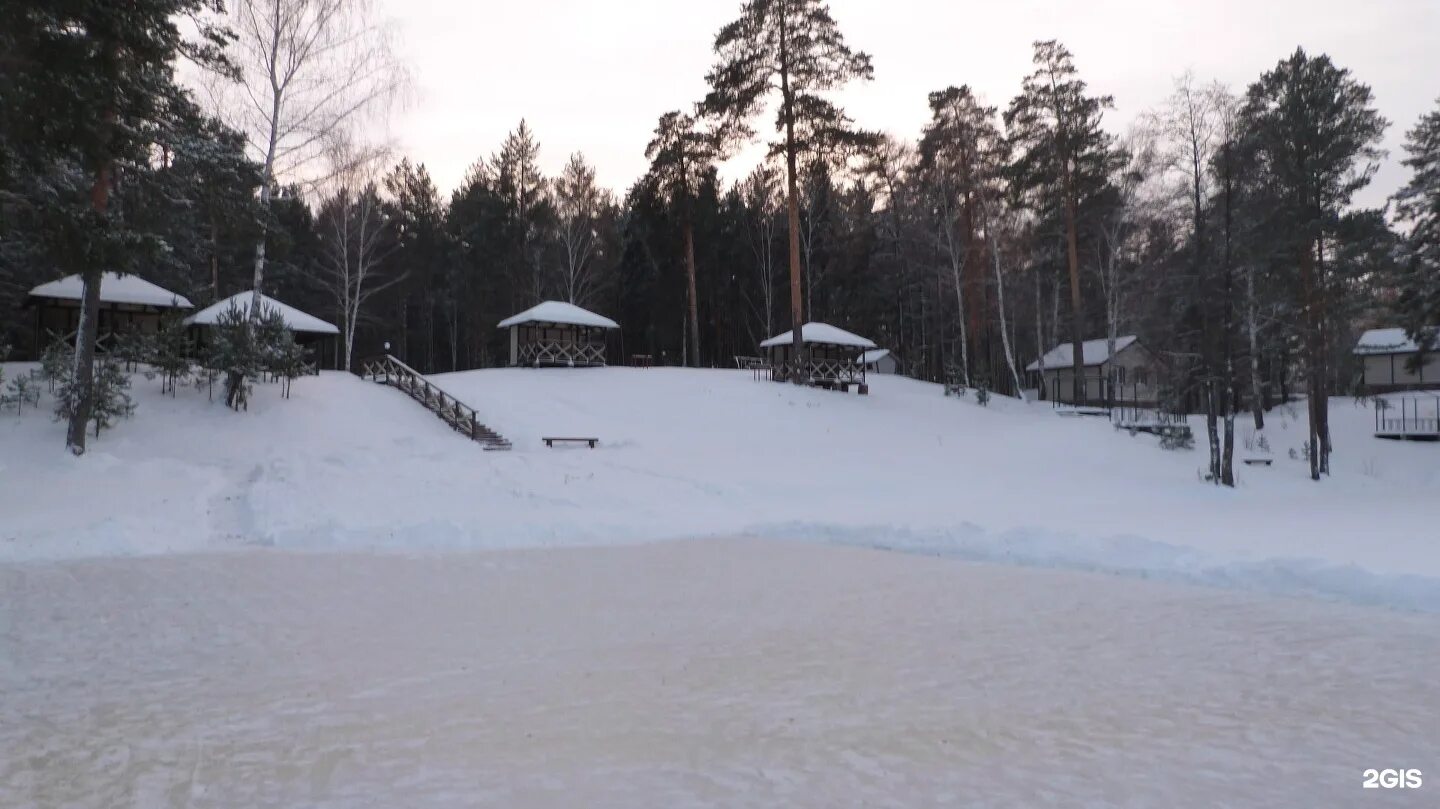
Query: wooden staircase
{"points": [[462, 417]]}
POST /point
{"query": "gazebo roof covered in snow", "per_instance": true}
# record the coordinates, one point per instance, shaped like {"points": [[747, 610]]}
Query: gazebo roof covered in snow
{"points": [[1387, 341], [561, 313], [297, 320], [114, 288], [822, 333], [1092, 353], [874, 355]]}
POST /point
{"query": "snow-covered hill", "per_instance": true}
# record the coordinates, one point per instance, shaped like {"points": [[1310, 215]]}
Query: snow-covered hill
{"points": [[686, 453]]}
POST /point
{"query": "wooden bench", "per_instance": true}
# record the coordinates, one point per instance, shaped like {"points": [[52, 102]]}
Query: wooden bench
{"points": [[1257, 461], [550, 441]]}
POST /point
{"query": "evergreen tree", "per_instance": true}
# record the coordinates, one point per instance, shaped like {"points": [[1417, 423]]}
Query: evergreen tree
{"points": [[417, 217], [1062, 153], [1418, 207], [1314, 133], [170, 354], [87, 87], [681, 155], [795, 48]]}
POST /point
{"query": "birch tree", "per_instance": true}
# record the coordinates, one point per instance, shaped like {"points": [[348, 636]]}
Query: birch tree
{"points": [[310, 71], [579, 205], [356, 238], [762, 216]]}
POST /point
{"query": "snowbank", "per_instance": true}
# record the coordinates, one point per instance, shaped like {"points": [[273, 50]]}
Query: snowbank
{"points": [[347, 464]]}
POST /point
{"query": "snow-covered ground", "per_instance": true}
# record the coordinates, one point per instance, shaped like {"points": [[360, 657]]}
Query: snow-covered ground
{"points": [[702, 673], [350, 465], [170, 637]]}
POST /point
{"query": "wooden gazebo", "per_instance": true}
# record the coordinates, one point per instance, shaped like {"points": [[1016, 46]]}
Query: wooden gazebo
{"points": [[832, 357], [128, 303], [315, 334], [557, 334]]}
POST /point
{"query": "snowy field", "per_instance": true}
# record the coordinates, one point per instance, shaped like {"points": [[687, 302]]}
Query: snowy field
{"points": [[334, 601], [349, 465], [702, 673]]}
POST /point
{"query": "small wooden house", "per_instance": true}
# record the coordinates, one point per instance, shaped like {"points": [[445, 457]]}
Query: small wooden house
{"points": [[1130, 377], [318, 336], [558, 334], [833, 356], [128, 303], [1386, 355]]}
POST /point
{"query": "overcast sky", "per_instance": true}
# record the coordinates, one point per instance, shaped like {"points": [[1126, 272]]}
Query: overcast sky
{"points": [[594, 77]]}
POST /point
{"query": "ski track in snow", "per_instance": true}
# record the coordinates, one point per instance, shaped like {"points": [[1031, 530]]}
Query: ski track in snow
{"points": [[698, 673], [349, 465]]}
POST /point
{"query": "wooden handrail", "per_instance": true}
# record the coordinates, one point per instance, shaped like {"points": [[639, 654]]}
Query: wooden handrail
{"points": [[451, 410]]}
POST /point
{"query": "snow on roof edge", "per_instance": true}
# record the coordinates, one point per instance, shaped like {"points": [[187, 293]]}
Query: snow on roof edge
{"points": [[558, 312], [1092, 353], [114, 288], [821, 333], [1391, 340], [294, 318]]}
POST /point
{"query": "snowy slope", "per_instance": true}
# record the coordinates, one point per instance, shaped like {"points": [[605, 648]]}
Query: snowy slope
{"points": [[348, 464]]}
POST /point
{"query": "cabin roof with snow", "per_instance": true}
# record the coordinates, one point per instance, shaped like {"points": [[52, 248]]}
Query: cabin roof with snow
{"points": [[559, 313], [822, 333], [1388, 341], [114, 288], [874, 355], [1092, 353], [295, 319]]}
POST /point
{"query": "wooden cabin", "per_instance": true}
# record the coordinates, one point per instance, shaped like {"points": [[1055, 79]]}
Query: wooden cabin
{"points": [[833, 357], [321, 339], [1130, 377], [128, 303], [1386, 355], [558, 335]]}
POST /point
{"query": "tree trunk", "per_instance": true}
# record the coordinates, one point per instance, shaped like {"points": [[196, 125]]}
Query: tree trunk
{"points": [[792, 205], [1312, 370], [215, 258], [83, 379], [1000, 307], [693, 333], [1077, 317], [1252, 327]]}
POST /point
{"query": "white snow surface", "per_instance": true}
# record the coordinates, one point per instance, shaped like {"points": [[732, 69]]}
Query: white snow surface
{"points": [[874, 356], [559, 312], [820, 333], [1092, 352], [351, 465], [294, 318], [691, 674], [1386, 341], [114, 288]]}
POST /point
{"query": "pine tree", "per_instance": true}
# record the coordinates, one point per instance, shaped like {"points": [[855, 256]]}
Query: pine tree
{"points": [[681, 155], [1061, 152], [232, 353], [88, 86], [418, 218], [1313, 131], [110, 391], [795, 48], [1418, 206], [170, 354]]}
